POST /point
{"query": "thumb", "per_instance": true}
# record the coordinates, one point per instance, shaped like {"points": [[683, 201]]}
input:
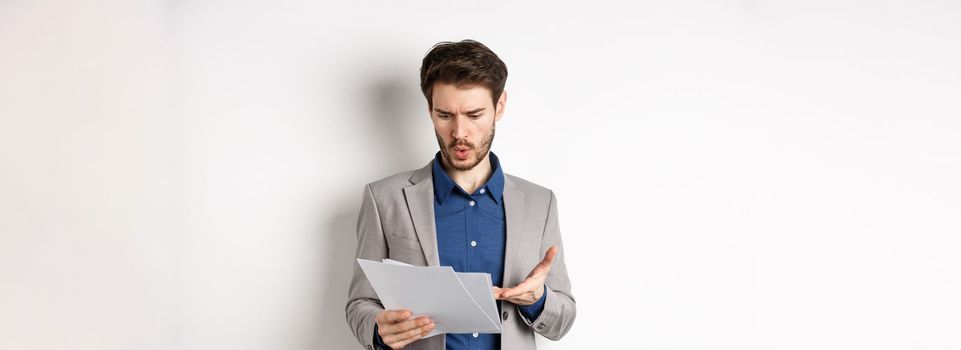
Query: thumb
{"points": [[545, 264], [550, 254]]}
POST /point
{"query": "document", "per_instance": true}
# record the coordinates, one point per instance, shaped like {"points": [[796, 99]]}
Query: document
{"points": [[456, 302]]}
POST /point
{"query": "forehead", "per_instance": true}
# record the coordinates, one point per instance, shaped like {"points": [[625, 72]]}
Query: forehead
{"points": [[453, 98]]}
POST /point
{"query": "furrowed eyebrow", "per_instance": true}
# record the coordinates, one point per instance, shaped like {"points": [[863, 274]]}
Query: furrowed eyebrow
{"points": [[473, 111]]}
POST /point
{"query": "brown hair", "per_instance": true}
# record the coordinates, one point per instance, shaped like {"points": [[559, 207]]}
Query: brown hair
{"points": [[463, 63]]}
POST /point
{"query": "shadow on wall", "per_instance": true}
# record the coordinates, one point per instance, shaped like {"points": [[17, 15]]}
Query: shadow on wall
{"points": [[339, 241], [398, 116], [390, 100]]}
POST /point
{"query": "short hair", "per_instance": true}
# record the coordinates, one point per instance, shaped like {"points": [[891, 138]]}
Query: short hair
{"points": [[462, 63]]}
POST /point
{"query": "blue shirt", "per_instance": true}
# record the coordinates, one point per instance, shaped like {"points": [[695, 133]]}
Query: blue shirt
{"points": [[471, 235]]}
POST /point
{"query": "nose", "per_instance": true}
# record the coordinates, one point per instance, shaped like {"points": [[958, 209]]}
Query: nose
{"points": [[459, 129]]}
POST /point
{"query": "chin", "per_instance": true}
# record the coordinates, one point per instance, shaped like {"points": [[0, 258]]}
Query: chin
{"points": [[464, 164]]}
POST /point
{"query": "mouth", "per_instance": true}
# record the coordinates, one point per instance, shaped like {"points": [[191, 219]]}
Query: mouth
{"points": [[461, 152]]}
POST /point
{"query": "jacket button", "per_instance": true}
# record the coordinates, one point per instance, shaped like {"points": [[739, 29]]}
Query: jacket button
{"points": [[505, 315], [369, 347], [540, 326]]}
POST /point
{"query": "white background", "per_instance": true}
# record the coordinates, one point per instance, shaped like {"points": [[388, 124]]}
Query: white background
{"points": [[730, 174]]}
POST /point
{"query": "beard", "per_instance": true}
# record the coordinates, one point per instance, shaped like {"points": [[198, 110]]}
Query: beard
{"points": [[479, 153]]}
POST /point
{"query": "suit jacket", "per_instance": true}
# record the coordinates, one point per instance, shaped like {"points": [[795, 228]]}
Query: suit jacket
{"points": [[397, 221]]}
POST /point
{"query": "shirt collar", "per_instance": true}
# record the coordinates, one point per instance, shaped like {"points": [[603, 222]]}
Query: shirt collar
{"points": [[443, 184]]}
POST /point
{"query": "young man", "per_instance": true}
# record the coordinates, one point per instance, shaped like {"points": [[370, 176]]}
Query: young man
{"points": [[462, 210]]}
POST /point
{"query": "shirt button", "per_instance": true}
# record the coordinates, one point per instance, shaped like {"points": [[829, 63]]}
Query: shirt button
{"points": [[473, 243], [475, 335], [482, 191], [472, 203]]}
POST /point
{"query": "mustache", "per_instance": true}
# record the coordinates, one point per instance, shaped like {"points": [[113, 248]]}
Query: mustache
{"points": [[461, 143]]}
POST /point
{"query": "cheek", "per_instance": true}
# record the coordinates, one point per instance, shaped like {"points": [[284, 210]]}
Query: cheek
{"points": [[483, 132], [441, 129], [443, 134]]}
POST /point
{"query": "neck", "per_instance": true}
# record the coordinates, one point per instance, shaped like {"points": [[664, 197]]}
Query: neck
{"points": [[470, 180]]}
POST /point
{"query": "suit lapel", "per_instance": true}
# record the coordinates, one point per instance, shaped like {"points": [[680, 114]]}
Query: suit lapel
{"points": [[420, 201], [514, 207]]}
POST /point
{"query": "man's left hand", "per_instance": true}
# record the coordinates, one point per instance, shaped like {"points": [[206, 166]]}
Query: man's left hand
{"points": [[532, 288]]}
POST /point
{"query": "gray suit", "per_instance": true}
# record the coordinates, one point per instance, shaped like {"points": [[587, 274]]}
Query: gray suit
{"points": [[397, 221]]}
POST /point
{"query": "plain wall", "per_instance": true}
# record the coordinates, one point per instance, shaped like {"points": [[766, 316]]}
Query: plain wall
{"points": [[730, 174]]}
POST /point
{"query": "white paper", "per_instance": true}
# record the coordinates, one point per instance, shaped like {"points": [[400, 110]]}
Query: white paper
{"points": [[395, 262], [479, 286], [456, 302]]}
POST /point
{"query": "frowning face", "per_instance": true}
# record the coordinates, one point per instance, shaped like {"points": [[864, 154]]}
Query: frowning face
{"points": [[464, 119]]}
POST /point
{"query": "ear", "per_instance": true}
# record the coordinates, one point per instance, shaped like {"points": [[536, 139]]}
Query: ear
{"points": [[501, 103]]}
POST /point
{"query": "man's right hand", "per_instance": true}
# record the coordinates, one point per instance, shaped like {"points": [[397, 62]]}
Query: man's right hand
{"points": [[397, 329]]}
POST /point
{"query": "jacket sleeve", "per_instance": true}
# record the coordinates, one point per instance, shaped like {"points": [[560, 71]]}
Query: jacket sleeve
{"points": [[362, 303], [560, 308]]}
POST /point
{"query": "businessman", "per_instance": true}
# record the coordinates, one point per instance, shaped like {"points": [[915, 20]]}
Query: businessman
{"points": [[462, 210]]}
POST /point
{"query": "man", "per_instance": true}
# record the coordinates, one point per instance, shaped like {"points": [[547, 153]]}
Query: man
{"points": [[462, 210]]}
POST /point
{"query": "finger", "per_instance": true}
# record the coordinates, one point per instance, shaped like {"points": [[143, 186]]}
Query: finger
{"points": [[528, 285], [544, 266], [404, 326], [519, 288], [509, 292], [515, 290], [548, 259], [408, 333], [523, 299], [400, 340], [522, 288], [393, 316], [406, 342]]}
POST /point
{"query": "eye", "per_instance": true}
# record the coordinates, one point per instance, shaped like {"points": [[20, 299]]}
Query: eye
{"points": [[444, 116], [475, 116]]}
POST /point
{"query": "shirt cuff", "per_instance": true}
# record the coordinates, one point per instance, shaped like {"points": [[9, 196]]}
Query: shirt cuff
{"points": [[532, 311]]}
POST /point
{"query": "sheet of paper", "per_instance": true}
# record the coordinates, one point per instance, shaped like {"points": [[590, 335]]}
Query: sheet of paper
{"points": [[479, 286], [433, 291], [395, 262]]}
